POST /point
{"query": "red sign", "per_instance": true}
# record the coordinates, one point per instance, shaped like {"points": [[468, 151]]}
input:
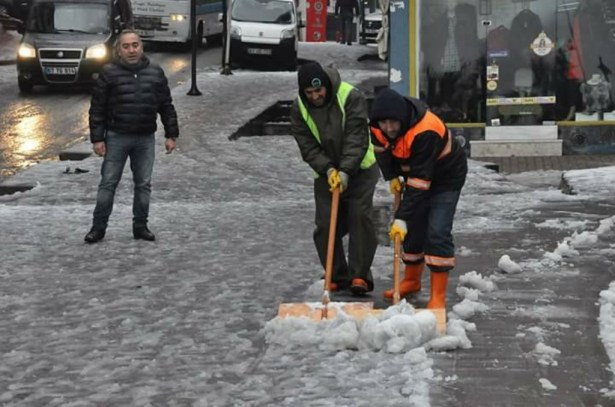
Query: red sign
{"points": [[316, 21]]}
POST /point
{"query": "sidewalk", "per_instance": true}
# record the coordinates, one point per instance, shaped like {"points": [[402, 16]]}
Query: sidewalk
{"points": [[512, 165], [183, 321]]}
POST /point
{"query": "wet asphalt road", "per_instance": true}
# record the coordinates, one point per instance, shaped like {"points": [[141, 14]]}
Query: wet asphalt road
{"points": [[41, 124]]}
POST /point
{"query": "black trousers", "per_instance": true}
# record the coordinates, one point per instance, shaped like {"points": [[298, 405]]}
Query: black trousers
{"points": [[346, 28], [354, 219]]}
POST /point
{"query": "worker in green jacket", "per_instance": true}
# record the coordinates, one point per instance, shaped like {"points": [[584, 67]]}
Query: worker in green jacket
{"points": [[330, 124]]}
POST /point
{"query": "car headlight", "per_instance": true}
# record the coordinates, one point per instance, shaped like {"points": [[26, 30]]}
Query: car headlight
{"points": [[26, 51], [178, 17], [288, 34], [235, 33], [98, 51]]}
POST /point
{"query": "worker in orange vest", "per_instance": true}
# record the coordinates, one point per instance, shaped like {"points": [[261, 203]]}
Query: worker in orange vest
{"points": [[418, 156]]}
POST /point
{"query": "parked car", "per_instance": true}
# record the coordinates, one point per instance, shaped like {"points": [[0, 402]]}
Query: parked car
{"points": [[264, 31], [68, 41], [371, 25]]}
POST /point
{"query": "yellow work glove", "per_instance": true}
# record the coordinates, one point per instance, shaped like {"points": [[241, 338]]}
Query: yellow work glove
{"points": [[333, 178], [395, 185], [398, 227]]}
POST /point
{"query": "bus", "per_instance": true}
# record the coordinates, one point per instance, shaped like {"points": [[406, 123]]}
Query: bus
{"points": [[169, 20]]}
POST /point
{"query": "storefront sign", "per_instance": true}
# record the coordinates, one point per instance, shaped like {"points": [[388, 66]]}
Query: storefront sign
{"points": [[542, 45], [316, 21], [493, 72], [532, 100]]}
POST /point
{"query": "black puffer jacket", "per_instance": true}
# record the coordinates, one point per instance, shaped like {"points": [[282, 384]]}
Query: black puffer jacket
{"points": [[127, 99]]}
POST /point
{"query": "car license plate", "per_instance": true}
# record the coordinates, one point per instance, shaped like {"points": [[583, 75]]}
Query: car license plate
{"points": [[259, 51], [60, 70], [145, 33]]}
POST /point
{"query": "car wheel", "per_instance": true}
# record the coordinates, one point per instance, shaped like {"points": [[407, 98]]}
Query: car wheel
{"points": [[24, 86]]}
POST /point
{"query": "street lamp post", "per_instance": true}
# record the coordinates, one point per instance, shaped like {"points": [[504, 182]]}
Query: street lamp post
{"points": [[194, 91], [226, 54]]}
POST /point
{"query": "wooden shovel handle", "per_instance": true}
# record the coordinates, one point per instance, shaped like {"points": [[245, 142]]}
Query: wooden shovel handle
{"points": [[396, 201], [335, 203], [396, 254], [396, 262]]}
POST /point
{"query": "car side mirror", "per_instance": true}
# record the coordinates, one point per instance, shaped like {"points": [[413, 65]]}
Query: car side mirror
{"points": [[220, 17]]}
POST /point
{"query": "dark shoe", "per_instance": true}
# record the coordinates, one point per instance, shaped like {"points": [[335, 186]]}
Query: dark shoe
{"points": [[349, 43], [142, 232], [359, 286], [94, 235]]}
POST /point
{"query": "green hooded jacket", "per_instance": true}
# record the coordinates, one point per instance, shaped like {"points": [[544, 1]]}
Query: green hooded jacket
{"points": [[342, 145]]}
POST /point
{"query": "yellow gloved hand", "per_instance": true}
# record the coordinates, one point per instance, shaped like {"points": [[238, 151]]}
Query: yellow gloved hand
{"points": [[333, 178], [398, 227], [395, 185]]}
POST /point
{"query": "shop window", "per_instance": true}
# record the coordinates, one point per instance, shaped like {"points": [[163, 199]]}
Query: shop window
{"points": [[523, 62], [451, 60], [587, 61]]}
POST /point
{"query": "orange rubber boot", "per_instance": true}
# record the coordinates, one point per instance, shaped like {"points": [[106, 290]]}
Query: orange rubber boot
{"points": [[439, 281], [411, 282]]}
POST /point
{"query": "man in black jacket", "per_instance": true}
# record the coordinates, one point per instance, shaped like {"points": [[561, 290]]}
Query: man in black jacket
{"points": [[128, 96], [413, 144], [346, 10]]}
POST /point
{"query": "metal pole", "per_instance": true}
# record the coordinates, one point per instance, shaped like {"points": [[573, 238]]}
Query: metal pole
{"points": [[194, 91], [226, 63]]}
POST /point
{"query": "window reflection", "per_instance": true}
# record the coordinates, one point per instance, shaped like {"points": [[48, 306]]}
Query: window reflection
{"points": [[518, 62], [451, 60]]}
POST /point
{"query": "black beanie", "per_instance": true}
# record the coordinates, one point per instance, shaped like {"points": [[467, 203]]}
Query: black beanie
{"points": [[312, 75]]}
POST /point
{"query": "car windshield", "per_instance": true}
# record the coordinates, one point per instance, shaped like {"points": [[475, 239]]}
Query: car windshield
{"points": [[259, 11], [52, 17]]}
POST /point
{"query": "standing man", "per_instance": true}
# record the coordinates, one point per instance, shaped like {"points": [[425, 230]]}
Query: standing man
{"points": [[346, 10], [127, 98], [414, 144], [329, 122]]}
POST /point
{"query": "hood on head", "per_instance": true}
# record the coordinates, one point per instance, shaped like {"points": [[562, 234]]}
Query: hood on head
{"points": [[389, 104], [312, 74]]}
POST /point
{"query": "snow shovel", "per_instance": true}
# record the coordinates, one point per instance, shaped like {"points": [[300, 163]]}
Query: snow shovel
{"points": [[326, 309], [440, 313]]}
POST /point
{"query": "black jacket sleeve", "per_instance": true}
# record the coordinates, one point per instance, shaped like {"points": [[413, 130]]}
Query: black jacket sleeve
{"points": [[422, 165], [167, 112], [385, 159], [98, 108]]}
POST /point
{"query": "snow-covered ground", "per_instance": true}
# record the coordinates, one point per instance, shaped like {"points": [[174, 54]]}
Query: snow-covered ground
{"points": [[190, 319]]}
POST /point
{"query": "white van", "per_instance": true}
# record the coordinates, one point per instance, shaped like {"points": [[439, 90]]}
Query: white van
{"points": [[264, 32]]}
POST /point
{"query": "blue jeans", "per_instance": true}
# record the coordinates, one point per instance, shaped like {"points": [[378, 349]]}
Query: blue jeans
{"points": [[430, 234], [140, 149]]}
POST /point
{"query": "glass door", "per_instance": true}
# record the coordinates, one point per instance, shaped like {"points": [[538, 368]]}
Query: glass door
{"points": [[521, 42], [451, 63]]}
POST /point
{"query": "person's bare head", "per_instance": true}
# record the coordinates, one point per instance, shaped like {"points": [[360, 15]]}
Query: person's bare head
{"points": [[129, 47]]}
